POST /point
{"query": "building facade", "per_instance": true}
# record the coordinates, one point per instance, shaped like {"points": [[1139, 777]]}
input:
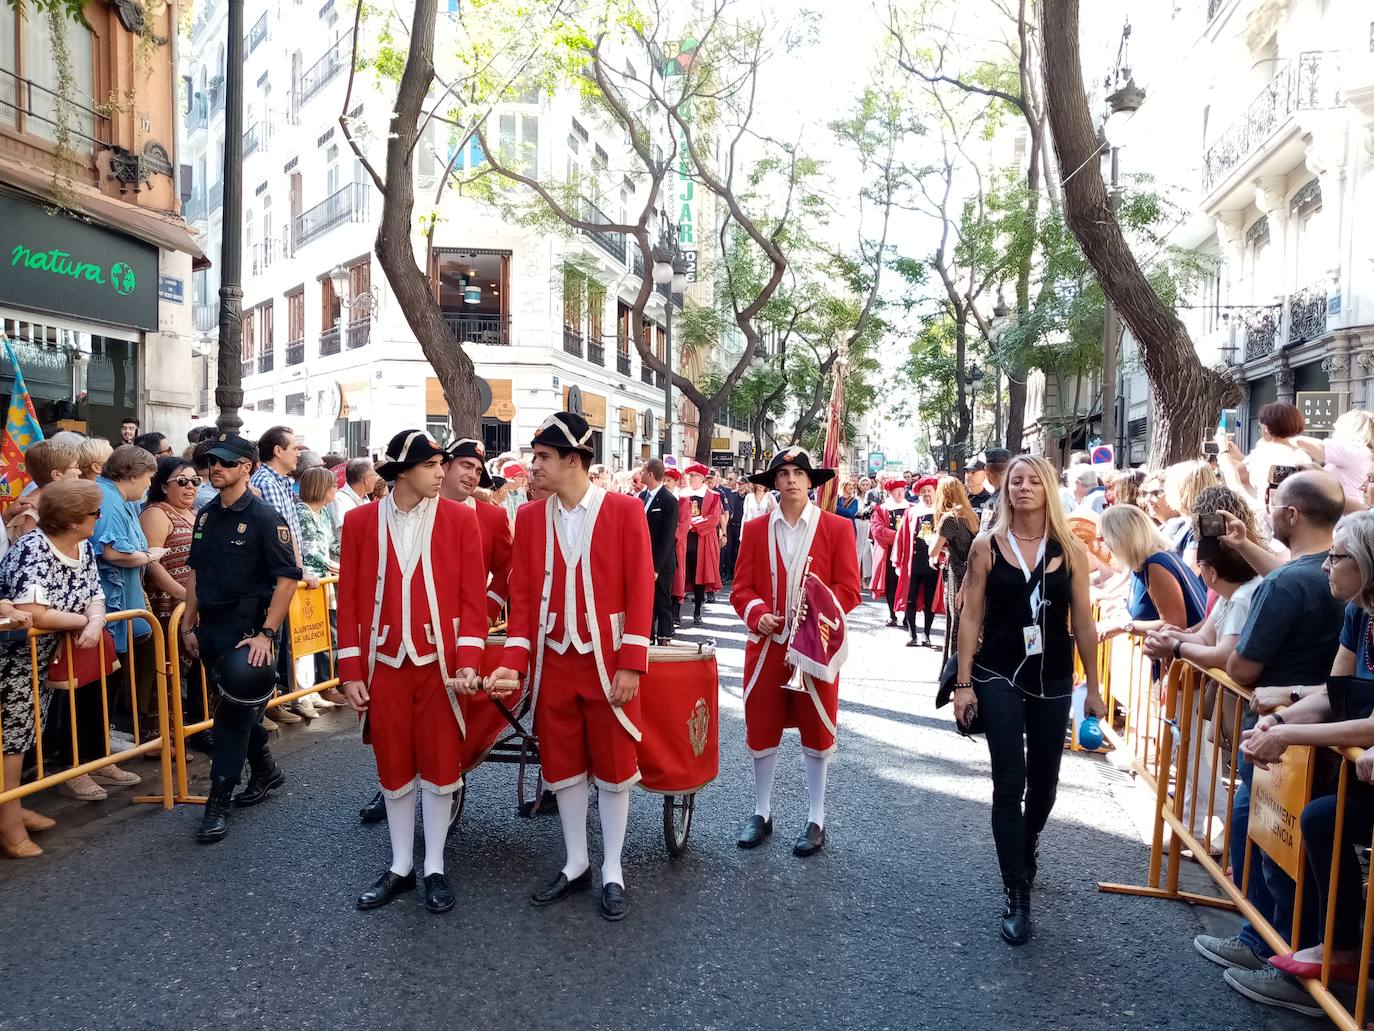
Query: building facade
{"points": [[95, 260]]}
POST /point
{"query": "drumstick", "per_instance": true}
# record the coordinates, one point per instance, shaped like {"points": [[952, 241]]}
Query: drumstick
{"points": [[504, 686]]}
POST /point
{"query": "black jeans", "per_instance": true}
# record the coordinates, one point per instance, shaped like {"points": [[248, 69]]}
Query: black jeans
{"points": [[663, 603], [927, 584], [890, 591], [698, 591], [239, 734], [1025, 742], [1319, 839]]}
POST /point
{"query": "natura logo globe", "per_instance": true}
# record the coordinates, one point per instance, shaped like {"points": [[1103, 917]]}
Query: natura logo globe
{"points": [[122, 278]]}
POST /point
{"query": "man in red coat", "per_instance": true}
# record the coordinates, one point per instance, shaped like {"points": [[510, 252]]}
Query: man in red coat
{"points": [[706, 518], [768, 583], [412, 626], [581, 613], [886, 521], [672, 482]]}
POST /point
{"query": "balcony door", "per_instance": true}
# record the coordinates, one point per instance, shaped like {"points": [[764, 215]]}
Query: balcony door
{"points": [[472, 288]]}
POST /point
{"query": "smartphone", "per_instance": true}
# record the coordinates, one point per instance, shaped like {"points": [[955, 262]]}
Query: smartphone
{"points": [[1211, 524], [1279, 473], [1210, 451], [1227, 422]]}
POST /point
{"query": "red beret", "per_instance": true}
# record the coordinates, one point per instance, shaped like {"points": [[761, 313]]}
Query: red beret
{"points": [[698, 469], [925, 481], [512, 469], [896, 483]]}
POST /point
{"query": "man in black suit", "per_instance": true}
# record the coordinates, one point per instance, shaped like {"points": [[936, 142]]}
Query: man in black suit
{"points": [[734, 507], [660, 508]]}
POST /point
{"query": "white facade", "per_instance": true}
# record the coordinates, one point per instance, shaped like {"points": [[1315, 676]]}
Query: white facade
{"points": [[346, 372], [1260, 121]]}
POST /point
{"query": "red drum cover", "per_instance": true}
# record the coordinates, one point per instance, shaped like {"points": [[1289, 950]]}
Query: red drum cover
{"points": [[485, 722], [679, 719]]}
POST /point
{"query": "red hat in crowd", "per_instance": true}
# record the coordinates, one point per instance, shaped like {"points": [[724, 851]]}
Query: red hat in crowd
{"points": [[896, 483], [923, 482], [340, 475], [671, 472], [697, 469], [512, 469]]}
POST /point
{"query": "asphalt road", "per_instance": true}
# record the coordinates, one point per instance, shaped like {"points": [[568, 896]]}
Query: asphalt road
{"points": [[128, 923]]}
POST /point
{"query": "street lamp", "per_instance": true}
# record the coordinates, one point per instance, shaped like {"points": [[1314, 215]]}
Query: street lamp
{"points": [[669, 274], [229, 374]]}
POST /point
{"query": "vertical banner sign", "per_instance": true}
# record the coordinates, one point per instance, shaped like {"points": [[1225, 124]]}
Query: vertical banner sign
{"points": [[1277, 796], [678, 58], [309, 617]]}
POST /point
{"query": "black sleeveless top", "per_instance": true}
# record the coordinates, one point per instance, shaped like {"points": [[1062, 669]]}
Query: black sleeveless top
{"points": [[1007, 612]]}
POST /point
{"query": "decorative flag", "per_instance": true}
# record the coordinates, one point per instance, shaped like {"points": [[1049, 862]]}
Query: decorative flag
{"points": [[829, 493], [21, 430]]}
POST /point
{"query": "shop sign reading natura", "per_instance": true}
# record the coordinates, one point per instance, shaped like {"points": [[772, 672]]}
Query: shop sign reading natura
{"points": [[57, 264]]}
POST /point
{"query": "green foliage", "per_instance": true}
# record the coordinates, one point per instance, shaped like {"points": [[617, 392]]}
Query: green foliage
{"points": [[72, 9]]}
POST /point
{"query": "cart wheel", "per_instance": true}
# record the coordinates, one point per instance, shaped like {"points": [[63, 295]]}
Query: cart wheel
{"points": [[677, 822], [459, 797]]}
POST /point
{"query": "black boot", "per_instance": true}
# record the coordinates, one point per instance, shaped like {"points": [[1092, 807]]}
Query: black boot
{"points": [[264, 777], [1032, 857], [1016, 919], [214, 824]]}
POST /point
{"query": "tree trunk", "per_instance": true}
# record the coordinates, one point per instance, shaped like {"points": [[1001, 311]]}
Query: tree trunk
{"points": [[1016, 413], [707, 408], [1186, 396], [395, 245]]}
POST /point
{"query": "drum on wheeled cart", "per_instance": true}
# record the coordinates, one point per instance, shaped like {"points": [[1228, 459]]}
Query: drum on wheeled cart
{"points": [[679, 753]]}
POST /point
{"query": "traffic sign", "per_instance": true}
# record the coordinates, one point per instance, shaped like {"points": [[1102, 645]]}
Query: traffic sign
{"points": [[1103, 454]]}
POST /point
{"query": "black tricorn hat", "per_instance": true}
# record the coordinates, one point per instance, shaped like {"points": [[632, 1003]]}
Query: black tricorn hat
{"points": [[565, 431], [407, 449], [799, 457], [469, 448]]}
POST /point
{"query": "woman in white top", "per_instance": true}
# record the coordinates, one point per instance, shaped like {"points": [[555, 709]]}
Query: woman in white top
{"points": [[759, 501], [1279, 424]]}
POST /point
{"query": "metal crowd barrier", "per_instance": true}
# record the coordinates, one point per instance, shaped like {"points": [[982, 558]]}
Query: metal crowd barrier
{"points": [[309, 619], [1167, 741], [158, 745]]}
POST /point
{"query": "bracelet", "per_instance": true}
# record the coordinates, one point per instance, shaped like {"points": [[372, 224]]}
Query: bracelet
{"points": [[963, 687], [1178, 649]]}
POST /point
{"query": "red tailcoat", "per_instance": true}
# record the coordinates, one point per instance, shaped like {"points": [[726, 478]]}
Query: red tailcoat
{"points": [[884, 536], [684, 527], [764, 584], [496, 553], [607, 613], [908, 544], [704, 520]]}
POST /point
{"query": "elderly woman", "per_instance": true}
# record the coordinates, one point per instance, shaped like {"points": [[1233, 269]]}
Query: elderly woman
{"points": [[1183, 482], [1348, 454], [1325, 718], [91, 454], [1164, 592], [46, 461], [50, 575], [318, 489], [1123, 488]]}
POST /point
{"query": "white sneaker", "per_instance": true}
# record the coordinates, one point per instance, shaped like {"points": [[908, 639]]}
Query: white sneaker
{"points": [[306, 707]]}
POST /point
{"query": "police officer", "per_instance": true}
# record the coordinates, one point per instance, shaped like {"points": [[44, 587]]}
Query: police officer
{"points": [[243, 574]]}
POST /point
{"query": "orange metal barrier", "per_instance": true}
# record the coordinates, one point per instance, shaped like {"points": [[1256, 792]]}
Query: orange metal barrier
{"points": [[1168, 744], [159, 744], [181, 730]]}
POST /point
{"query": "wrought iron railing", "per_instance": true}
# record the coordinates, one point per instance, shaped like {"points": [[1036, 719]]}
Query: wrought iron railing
{"points": [[1262, 331], [217, 93], [612, 243], [29, 108], [637, 263], [257, 34], [329, 341], [318, 74], [1312, 82], [572, 342], [1307, 311], [359, 333], [250, 139], [216, 200], [646, 374], [478, 329], [346, 205], [660, 380], [196, 208], [596, 352], [622, 364], [248, 367], [295, 352], [199, 115], [265, 361]]}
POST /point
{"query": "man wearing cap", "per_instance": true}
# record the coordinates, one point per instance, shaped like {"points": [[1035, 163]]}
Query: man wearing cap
{"points": [[581, 612], [882, 530], [412, 627], [996, 459], [243, 575], [705, 519], [975, 482], [769, 577]]}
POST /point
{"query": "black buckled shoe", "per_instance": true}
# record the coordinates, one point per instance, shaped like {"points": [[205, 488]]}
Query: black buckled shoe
{"points": [[755, 829], [438, 895], [374, 811], [214, 824], [809, 841], [560, 888], [388, 888], [1016, 917], [264, 777], [614, 904]]}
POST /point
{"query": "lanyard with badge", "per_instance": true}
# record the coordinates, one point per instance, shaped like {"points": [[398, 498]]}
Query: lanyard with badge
{"points": [[1035, 643]]}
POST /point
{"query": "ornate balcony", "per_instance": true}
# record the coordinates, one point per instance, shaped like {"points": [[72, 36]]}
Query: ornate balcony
{"points": [[251, 139], [257, 35], [1312, 82], [622, 364], [266, 361], [1307, 311], [596, 353], [346, 205], [646, 374], [572, 342], [612, 243], [317, 76], [329, 341], [199, 115], [295, 352], [478, 329], [1262, 331], [359, 333], [248, 367]]}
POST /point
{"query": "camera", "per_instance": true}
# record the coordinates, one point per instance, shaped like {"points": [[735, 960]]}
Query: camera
{"points": [[1211, 524], [1279, 473]]}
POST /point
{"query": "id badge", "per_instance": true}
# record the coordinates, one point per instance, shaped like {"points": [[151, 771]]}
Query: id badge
{"points": [[1034, 644]]}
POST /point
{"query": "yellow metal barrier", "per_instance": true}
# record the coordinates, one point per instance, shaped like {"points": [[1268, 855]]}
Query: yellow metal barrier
{"points": [[159, 744], [181, 730], [1167, 745]]}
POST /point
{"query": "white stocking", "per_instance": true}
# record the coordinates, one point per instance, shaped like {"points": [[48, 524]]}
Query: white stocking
{"points": [[816, 768], [400, 822], [572, 813], [614, 807], [435, 811], [764, 768]]}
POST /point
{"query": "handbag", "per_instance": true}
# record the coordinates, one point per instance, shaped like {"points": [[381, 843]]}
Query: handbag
{"points": [[1351, 698], [85, 665], [945, 692]]}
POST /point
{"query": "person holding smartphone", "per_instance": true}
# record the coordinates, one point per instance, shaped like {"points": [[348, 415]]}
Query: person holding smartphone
{"points": [[1279, 423], [1026, 585]]}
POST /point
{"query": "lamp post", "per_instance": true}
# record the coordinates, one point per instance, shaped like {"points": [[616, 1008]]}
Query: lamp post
{"points": [[1122, 104], [670, 271], [229, 374]]}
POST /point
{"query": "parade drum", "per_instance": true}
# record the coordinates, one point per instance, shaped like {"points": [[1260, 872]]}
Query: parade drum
{"points": [[679, 719], [484, 721]]}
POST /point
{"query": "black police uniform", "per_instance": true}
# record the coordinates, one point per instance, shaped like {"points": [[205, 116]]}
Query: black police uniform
{"points": [[237, 553]]}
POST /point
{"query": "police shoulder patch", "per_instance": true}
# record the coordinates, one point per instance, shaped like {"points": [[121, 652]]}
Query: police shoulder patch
{"points": [[284, 534]]}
